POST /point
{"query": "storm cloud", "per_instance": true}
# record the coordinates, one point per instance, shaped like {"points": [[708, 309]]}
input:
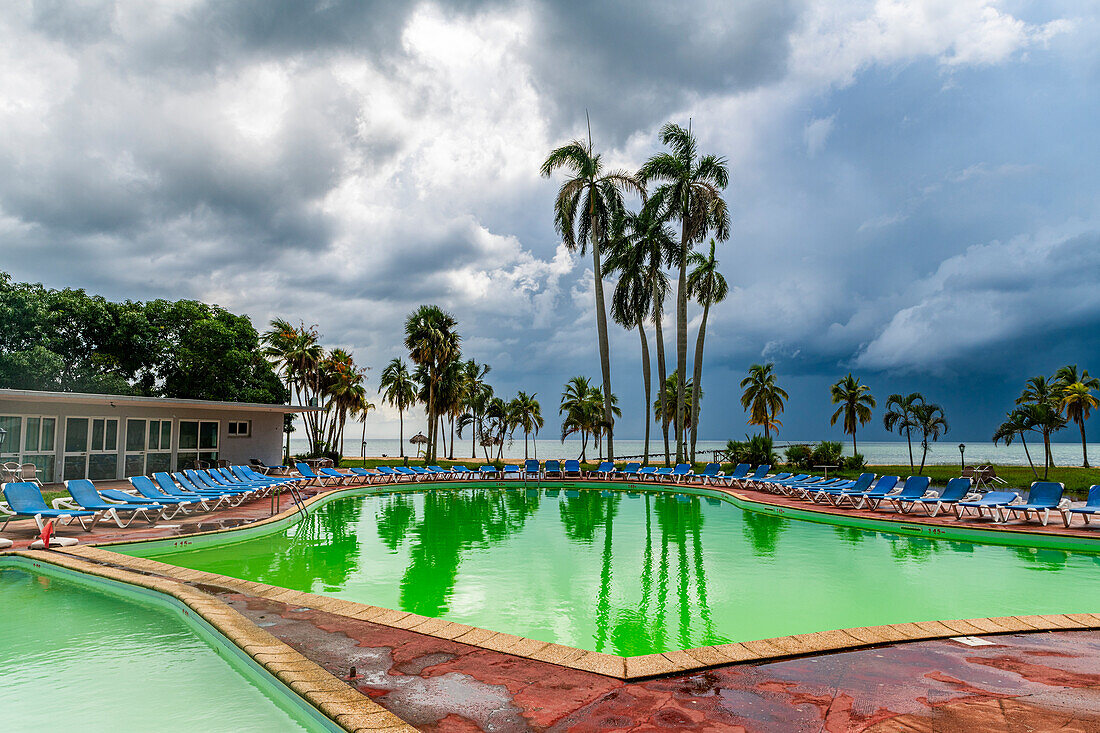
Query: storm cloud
{"points": [[912, 184]]}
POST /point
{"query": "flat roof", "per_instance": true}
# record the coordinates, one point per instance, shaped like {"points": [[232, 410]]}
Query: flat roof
{"points": [[81, 398]]}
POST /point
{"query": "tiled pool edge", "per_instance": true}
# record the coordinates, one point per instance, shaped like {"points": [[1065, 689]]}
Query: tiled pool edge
{"points": [[348, 708], [610, 665]]}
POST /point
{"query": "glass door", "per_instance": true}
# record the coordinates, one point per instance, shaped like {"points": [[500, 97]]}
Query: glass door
{"points": [[38, 445], [9, 449], [158, 454], [76, 448], [91, 448]]}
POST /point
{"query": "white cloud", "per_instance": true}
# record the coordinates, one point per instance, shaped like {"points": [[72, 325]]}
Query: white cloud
{"points": [[816, 133]]}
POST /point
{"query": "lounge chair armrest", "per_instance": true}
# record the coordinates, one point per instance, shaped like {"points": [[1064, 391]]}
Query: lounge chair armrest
{"points": [[973, 496], [1064, 503], [6, 509], [64, 503]]}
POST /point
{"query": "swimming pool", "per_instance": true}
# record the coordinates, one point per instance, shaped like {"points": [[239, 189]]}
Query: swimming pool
{"points": [[635, 573], [106, 658]]}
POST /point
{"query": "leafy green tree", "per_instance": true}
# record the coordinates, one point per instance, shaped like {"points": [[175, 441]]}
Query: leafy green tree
{"points": [[684, 418], [901, 417], [1078, 400], [398, 390], [763, 397], [475, 395], [585, 205], [932, 423], [1017, 424], [708, 287], [1044, 398], [640, 249], [856, 403], [432, 342], [527, 415], [582, 406], [691, 187]]}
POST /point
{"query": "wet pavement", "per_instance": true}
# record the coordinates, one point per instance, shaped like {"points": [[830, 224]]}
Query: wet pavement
{"points": [[1024, 682]]}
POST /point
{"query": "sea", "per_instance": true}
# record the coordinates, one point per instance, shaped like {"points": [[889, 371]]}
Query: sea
{"points": [[874, 452]]}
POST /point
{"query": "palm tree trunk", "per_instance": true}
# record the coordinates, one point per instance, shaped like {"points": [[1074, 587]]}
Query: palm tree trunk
{"points": [[1084, 445], [854, 451], [475, 428], [601, 325], [452, 452], [363, 440], [401, 430], [661, 371], [681, 340], [924, 455], [1048, 461], [645, 385], [431, 419], [697, 378], [909, 440], [1027, 453]]}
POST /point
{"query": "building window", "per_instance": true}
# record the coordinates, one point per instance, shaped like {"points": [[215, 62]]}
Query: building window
{"points": [[198, 444], [240, 429]]}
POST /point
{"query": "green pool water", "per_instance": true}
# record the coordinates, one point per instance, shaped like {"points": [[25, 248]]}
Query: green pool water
{"points": [[78, 655], [639, 574]]}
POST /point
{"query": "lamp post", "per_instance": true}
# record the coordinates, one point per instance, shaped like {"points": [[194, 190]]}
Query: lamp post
{"points": [[962, 455]]}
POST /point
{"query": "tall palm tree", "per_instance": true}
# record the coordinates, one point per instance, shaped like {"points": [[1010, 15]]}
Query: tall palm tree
{"points": [[684, 418], [399, 390], [583, 210], [432, 343], [527, 414], [296, 354], [763, 397], [1017, 423], [932, 423], [901, 416], [582, 406], [449, 400], [1044, 394], [708, 287], [643, 246], [1078, 400], [691, 188], [474, 397], [855, 402]]}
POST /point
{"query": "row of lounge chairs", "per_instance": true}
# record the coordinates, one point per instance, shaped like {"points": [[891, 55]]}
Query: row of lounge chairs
{"points": [[869, 492], [160, 496]]}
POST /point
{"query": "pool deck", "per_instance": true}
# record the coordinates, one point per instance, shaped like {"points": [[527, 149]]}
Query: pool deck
{"points": [[425, 674]]}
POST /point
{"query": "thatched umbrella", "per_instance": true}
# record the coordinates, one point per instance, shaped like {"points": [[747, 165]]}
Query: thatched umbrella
{"points": [[418, 440]]}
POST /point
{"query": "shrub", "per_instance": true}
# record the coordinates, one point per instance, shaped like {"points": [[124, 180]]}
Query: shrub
{"points": [[855, 462], [755, 450], [799, 456], [827, 453]]}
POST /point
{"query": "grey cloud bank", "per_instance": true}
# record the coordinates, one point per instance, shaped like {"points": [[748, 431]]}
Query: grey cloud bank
{"points": [[914, 187]]}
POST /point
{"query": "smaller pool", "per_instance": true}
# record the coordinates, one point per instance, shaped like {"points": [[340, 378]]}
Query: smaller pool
{"points": [[90, 654]]}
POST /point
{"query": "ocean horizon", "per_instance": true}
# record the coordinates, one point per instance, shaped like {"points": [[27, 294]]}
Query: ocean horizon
{"points": [[874, 452]]}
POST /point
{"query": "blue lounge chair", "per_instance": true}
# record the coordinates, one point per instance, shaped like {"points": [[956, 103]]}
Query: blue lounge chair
{"points": [[223, 478], [1092, 506], [199, 483], [605, 470], [531, 467], [247, 473], [422, 473], [314, 478], [646, 472], [407, 472], [993, 502], [799, 489], [682, 472], [956, 490], [572, 467], [85, 496], [144, 486], [24, 499], [511, 470], [488, 470], [630, 471], [552, 467], [712, 471], [441, 472], [738, 473], [836, 494], [774, 484], [188, 490], [460, 471], [663, 473], [880, 488], [1043, 498], [758, 475], [914, 487], [341, 478]]}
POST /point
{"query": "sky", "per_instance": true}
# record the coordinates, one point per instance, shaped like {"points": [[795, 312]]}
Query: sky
{"points": [[914, 186]]}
